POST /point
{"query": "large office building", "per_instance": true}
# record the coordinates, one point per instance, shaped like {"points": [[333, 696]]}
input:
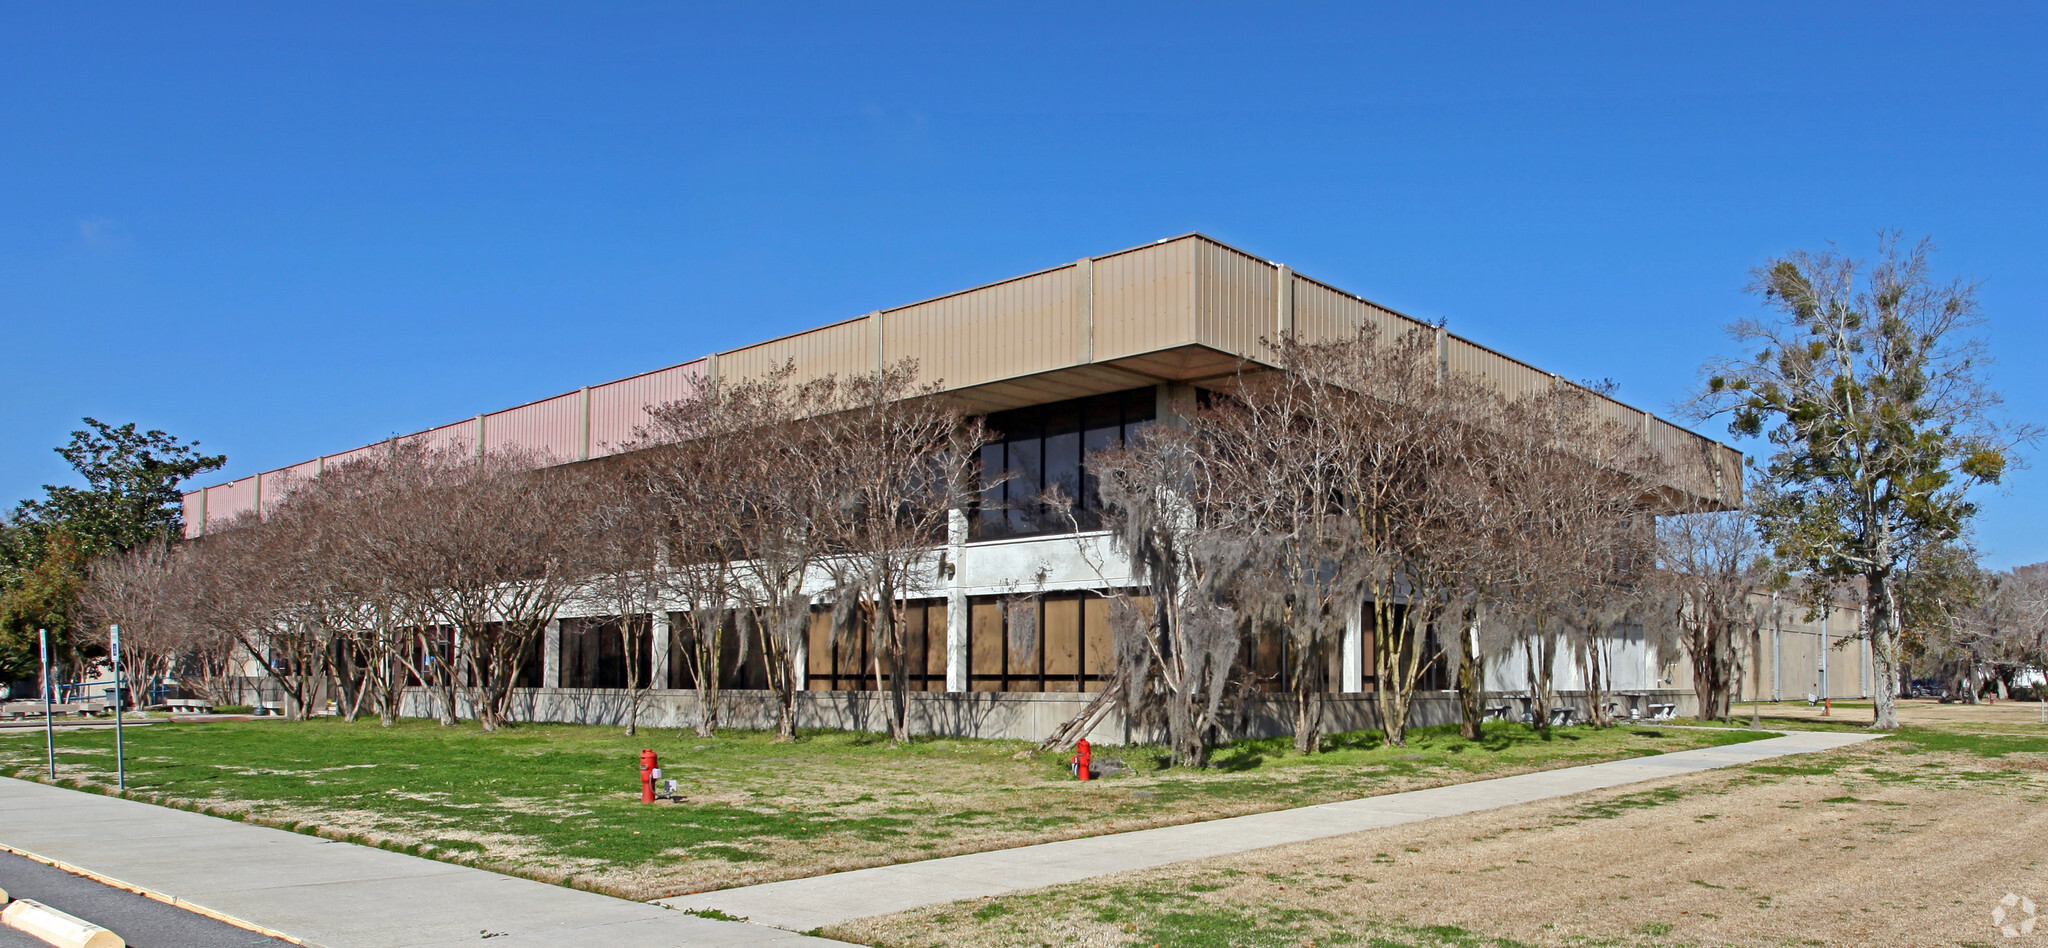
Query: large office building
{"points": [[1063, 361]]}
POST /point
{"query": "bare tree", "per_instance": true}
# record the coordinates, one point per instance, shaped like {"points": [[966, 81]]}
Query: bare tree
{"points": [[901, 456], [1712, 565], [134, 590], [742, 475], [620, 548]]}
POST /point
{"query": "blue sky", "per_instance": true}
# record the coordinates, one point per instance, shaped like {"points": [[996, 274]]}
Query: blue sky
{"points": [[290, 229]]}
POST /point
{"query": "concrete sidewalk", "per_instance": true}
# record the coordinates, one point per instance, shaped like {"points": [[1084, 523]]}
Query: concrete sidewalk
{"points": [[338, 895], [804, 904]]}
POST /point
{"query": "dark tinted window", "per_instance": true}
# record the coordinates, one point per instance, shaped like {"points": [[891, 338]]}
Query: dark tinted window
{"points": [[1048, 446]]}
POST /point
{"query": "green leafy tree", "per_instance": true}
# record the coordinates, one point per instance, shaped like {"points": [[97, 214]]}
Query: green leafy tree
{"points": [[1870, 388], [132, 495]]}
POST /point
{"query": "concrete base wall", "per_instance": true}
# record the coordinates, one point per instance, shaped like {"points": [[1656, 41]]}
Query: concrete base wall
{"points": [[1002, 716]]}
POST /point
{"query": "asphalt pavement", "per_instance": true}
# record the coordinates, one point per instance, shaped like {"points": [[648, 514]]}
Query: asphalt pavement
{"points": [[143, 921]]}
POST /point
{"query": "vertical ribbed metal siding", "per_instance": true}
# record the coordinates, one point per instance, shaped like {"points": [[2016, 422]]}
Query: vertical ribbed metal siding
{"points": [[840, 349], [1145, 299], [1322, 313], [1015, 328], [618, 408], [225, 502], [1479, 364], [379, 450], [547, 429], [458, 437], [1236, 300]]}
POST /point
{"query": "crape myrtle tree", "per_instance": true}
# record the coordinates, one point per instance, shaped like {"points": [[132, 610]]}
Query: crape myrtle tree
{"points": [[1711, 565], [1869, 385], [622, 547], [1579, 539], [899, 457], [132, 589], [742, 476]]}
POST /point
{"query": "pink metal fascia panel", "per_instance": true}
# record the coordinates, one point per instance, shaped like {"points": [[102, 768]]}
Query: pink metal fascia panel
{"points": [[281, 482], [458, 437], [618, 409], [379, 450], [549, 430], [226, 501]]}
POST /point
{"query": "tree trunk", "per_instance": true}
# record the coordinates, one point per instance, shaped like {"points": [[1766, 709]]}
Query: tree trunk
{"points": [[1471, 692], [1884, 648]]}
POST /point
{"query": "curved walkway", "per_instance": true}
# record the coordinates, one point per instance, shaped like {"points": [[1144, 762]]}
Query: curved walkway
{"points": [[804, 904]]}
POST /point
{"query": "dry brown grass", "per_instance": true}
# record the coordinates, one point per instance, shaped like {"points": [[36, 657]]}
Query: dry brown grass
{"points": [[1885, 844]]}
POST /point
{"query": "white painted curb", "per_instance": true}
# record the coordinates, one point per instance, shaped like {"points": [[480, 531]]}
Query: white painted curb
{"points": [[58, 928]]}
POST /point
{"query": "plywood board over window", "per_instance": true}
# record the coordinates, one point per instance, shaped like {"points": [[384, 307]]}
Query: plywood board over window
{"points": [[1098, 647], [1060, 640], [935, 646], [985, 646]]}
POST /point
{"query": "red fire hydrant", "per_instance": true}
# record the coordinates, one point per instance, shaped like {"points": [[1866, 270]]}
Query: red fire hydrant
{"points": [[650, 771], [1081, 754]]}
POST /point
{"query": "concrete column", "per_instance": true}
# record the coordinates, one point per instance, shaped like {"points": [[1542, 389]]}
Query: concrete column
{"points": [[803, 662], [956, 601], [1777, 649], [1826, 620], [1351, 656], [658, 665], [551, 655], [1175, 402]]}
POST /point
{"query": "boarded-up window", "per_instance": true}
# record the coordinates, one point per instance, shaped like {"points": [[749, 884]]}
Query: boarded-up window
{"points": [[1098, 645], [818, 652], [1061, 642], [935, 651], [985, 647]]}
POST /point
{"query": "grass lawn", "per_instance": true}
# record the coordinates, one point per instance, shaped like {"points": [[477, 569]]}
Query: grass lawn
{"points": [[560, 802], [1911, 840]]}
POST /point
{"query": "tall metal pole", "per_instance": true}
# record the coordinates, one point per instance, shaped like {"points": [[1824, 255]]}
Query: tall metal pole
{"points": [[49, 732], [120, 758]]}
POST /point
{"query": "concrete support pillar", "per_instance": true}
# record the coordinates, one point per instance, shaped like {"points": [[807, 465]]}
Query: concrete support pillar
{"points": [[1352, 653], [956, 601], [657, 672], [551, 655], [1777, 649], [1826, 620]]}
